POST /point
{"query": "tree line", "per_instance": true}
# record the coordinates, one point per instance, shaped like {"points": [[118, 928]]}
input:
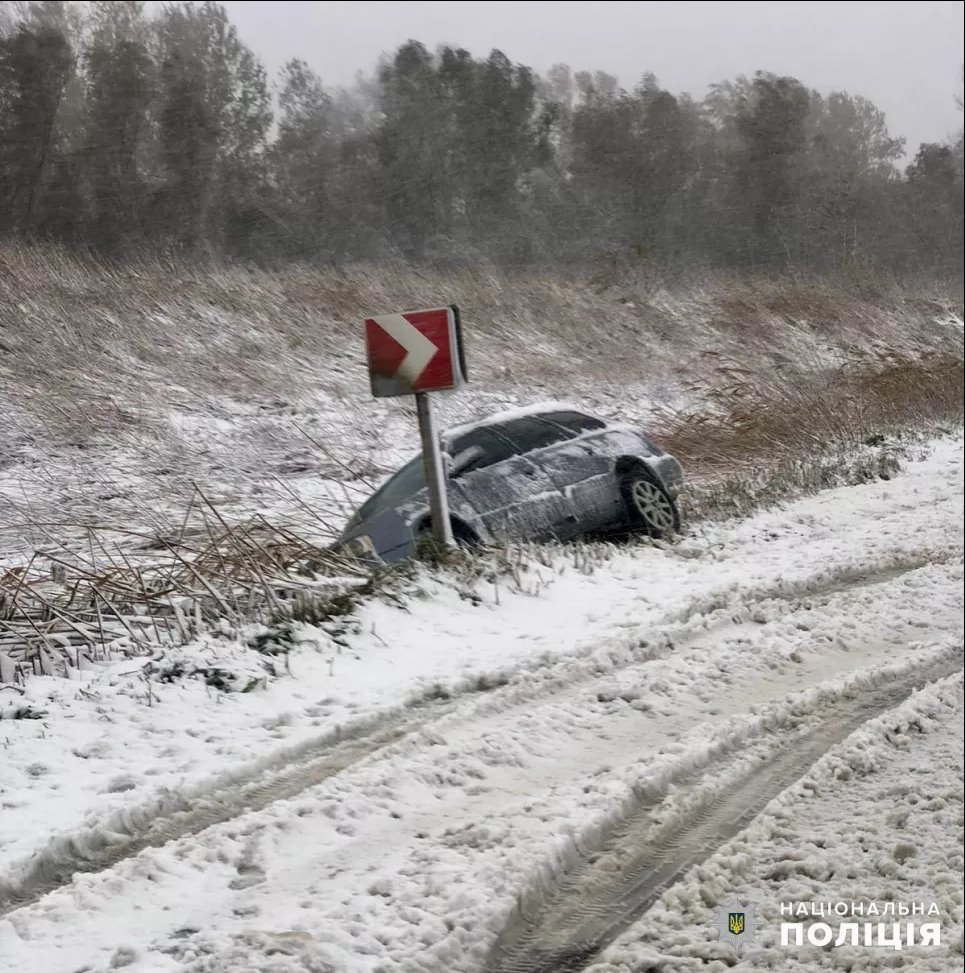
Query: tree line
{"points": [[126, 128]]}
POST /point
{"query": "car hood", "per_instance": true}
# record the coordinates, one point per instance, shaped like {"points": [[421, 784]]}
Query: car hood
{"points": [[387, 536]]}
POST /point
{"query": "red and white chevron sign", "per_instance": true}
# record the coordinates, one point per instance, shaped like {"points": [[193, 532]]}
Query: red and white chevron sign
{"points": [[414, 351]]}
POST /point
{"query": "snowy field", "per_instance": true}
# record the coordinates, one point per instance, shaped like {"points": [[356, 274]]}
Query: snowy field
{"points": [[411, 788], [126, 387]]}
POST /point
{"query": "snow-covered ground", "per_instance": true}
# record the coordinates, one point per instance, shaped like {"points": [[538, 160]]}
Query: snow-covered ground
{"points": [[500, 732], [878, 820]]}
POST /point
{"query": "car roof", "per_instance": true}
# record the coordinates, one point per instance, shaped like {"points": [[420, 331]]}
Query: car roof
{"points": [[519, 412]]}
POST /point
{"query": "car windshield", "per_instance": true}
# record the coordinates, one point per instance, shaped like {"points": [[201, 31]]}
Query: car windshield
{"points": [[409, 480], [477, 449]]}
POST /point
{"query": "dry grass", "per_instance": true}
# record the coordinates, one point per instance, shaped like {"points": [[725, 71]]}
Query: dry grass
{"points": [[751, 418], [88, 348], [787, 386], [122, 386], [69, 607], [767, 437]]}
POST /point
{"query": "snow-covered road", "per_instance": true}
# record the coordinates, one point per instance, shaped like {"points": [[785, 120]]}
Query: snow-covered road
{"points": [[492, 747], [877, 820]]}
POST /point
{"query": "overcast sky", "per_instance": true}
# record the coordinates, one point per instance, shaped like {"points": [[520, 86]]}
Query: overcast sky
{"points": [[906, 57]]}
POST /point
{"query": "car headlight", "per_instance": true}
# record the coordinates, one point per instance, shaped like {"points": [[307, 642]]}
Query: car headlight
{"points": [[360, 547]]}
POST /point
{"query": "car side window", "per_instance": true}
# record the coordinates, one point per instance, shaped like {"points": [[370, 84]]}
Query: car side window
{"points": [[530, 433], [576, 422], [476, 450]]}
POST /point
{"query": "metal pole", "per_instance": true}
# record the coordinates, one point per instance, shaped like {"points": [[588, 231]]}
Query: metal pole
{"points": [[434, 472]]}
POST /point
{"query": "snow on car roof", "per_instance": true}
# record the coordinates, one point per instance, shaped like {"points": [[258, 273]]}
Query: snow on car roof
{"points": [[519, 412]]}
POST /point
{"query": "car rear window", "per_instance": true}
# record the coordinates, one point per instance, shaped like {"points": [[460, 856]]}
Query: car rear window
{"points": [[576, 422]]}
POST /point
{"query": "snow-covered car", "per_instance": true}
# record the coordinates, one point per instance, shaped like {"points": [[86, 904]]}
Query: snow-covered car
{"points": [[550, 471]]}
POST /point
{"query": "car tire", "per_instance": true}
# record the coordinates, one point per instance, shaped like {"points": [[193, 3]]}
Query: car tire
{"points": [[650, 509], [465, 537]]}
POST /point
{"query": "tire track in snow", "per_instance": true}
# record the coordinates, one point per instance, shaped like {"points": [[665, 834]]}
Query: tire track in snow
{"points": [[177, 816], [561, 928], [285, 775]]}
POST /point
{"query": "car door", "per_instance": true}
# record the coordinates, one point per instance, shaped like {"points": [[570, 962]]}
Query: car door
{"points": [[581, 467], [513, 496], [533, 440]]}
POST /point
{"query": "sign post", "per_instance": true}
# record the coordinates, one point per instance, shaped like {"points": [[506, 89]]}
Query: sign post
{"points": [[434, 472], [414, 353]]}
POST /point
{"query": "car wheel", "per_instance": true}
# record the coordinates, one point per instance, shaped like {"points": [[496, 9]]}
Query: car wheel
{"points": [[650, 508], [465, 537]]}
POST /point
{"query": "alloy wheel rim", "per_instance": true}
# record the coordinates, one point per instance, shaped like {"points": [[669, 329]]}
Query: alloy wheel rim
{"points": [[652, 505]]}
